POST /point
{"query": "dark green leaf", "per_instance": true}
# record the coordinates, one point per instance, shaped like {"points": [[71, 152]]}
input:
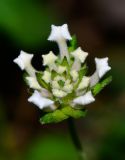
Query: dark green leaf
{"points": [[72, 44], [41, 81], [99, 86]]}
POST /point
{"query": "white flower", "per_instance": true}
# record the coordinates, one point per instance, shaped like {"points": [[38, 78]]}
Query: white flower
{"points": [[79, 56], [40, 101], [61, 69], [49, 60], [32, 81], [59, 93], [102, 68], [55, 84], [46, 76], [74, 75], [85, 99], [24, 62], [84, 83], [60, 34], [68, 88]]}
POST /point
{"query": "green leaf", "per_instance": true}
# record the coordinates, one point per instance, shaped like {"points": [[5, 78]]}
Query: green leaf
{"points": [[72, 44], [65, 62], [75, 113], [54, 117], [41, 81], [99, 86], [53, 74]]}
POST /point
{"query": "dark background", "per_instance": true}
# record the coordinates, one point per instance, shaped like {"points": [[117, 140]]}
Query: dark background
{"points": [[100, 30]]}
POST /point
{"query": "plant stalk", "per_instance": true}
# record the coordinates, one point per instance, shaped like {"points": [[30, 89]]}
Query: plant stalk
{"points": [[75, 139]]}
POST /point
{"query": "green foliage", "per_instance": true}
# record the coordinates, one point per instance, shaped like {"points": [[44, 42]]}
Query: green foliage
{"points": [[62, 114], [99, 86], [73, 112], [41, 81], [72, 44], [27, 22], [61, 83], [53, 117], [53, 146]]}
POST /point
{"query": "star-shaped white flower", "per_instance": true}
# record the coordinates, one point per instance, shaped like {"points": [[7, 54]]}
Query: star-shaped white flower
{"points": [[40, 101], [87, 98], [60, 34], [49, 59], [79, 56], [33, 83], [102, 68], [24, 62]]}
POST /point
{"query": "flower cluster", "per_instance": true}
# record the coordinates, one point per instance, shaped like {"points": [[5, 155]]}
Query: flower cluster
{"points": [[62, 90]]}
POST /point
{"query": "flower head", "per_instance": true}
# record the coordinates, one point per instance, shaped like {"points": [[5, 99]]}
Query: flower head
{"points": [[63, 89]]}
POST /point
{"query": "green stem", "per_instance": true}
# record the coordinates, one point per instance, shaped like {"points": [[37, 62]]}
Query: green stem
{"points": [[75, 139]]}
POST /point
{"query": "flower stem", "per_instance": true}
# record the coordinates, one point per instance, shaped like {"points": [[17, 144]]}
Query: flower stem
{"points": [[75, 139]]}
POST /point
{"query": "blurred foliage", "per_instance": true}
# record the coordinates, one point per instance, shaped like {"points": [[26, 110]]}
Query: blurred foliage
{"points": [[113, 144], [26, 21], [51, 147]]}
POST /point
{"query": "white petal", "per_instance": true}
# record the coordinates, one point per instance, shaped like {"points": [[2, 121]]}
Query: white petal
{"points": [[45, 93], [84, 83], [102, 66], [55, 85], [24, 62], [59, 32], [33, 83], [94, 79], [49, 59], [40, 101], [68, 88], [59, 93], [85, 99], [46, 76], [74, 75], [79, 54], [61, 69]]}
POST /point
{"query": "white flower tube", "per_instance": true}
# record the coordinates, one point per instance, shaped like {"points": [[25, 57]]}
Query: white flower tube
{"points": [[102, 68], [85, 99], [60, 34], [33, 83], [40, 101], [79, 56], [24, 62]]}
